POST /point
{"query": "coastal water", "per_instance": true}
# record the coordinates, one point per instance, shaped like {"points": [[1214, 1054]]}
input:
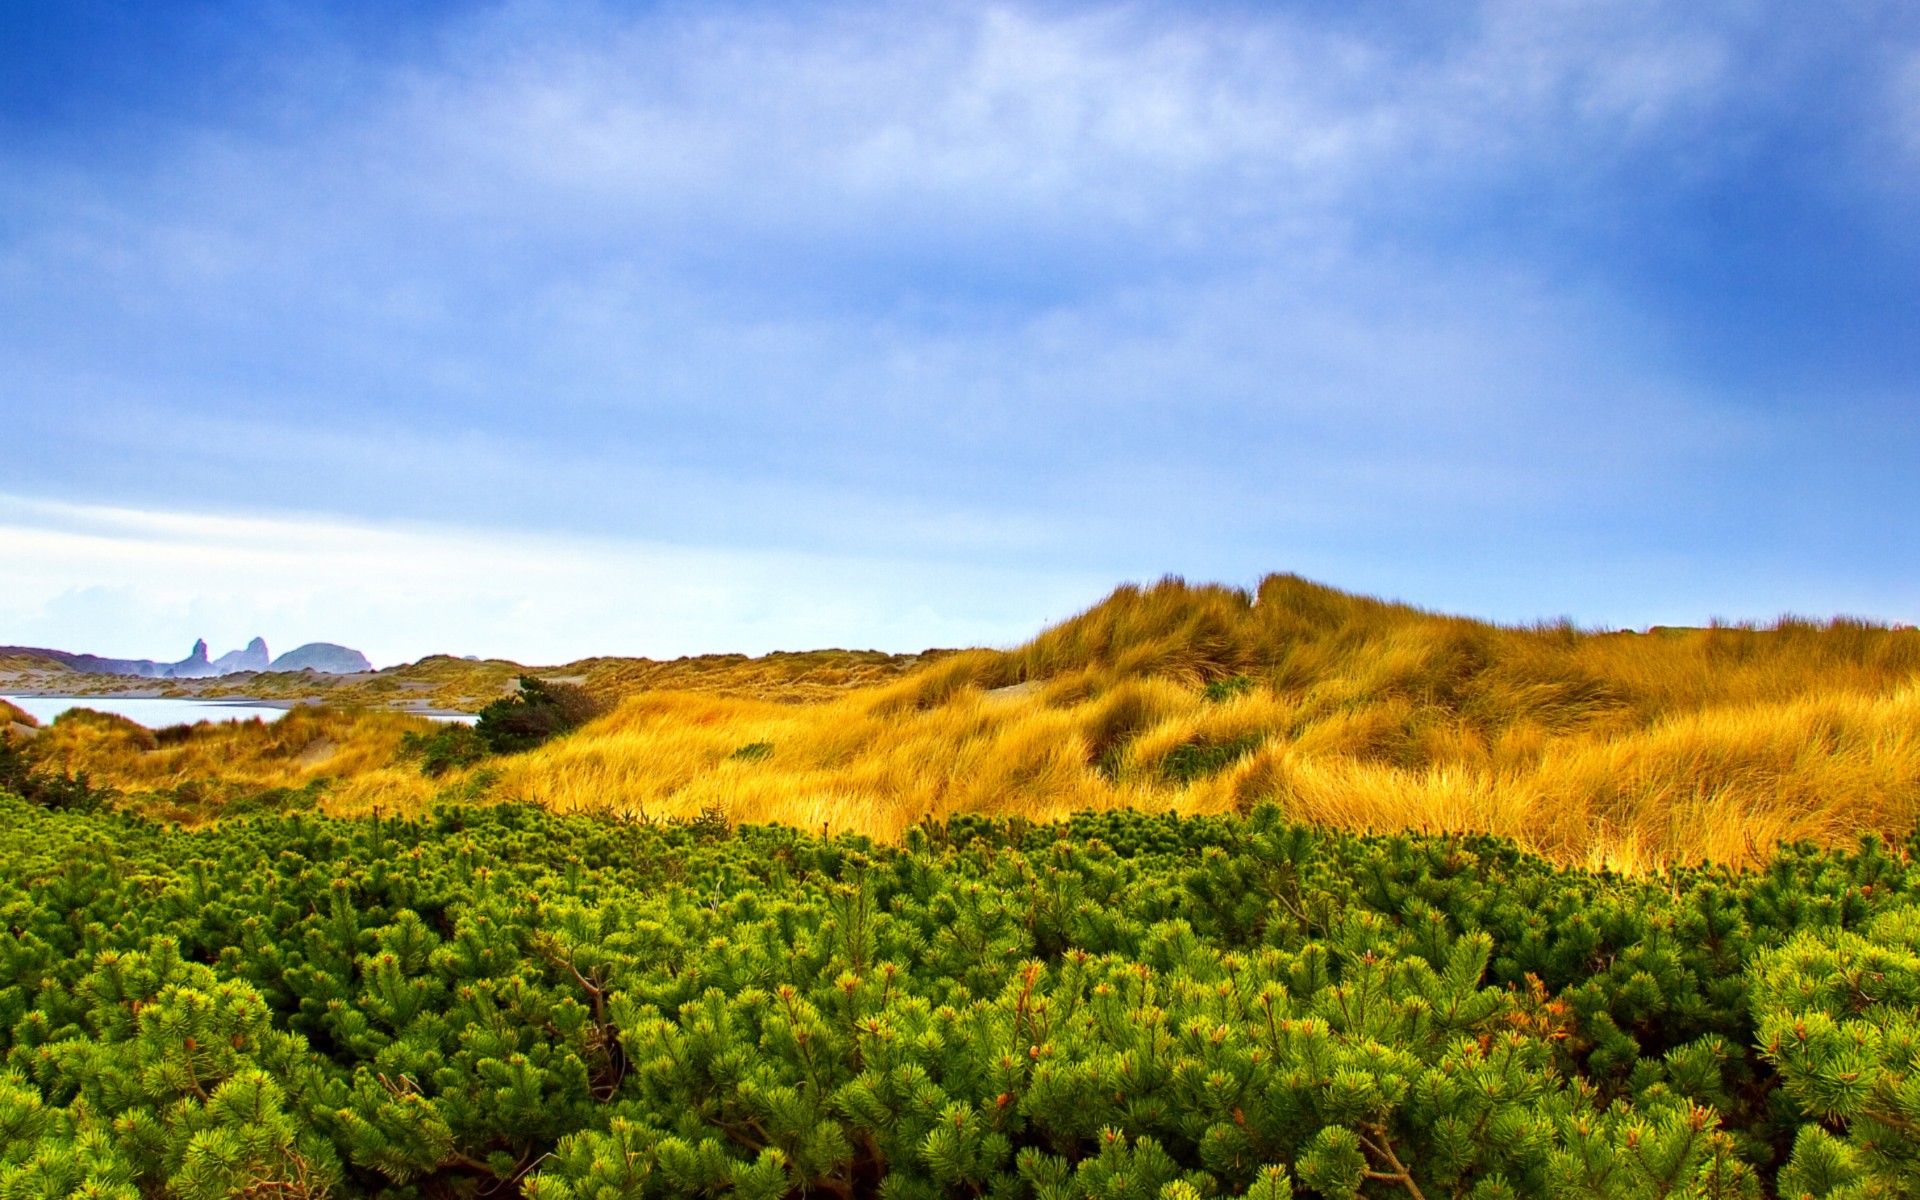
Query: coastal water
{"points": [[157, 713], [153, 713]]}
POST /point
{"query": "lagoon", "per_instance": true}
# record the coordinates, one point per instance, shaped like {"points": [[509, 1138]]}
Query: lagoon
{"points": [[152, 712], [158, 713]]}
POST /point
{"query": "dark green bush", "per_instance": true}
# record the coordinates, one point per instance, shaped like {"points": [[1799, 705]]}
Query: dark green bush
{"points": [[537, 712]]}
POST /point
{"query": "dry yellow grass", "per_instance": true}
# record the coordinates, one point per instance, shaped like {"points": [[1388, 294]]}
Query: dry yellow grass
{"points": [[839, 764], [353, 754], [1625, 750], [789, 677], [1724, 785]]}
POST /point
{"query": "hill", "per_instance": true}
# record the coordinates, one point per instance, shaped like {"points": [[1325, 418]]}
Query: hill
{"points": [[196, 665], [325, 658], [445, 684], [1623, 750]]}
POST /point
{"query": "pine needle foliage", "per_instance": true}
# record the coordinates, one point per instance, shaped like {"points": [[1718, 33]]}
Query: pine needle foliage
{"points": [[501, 1000]]}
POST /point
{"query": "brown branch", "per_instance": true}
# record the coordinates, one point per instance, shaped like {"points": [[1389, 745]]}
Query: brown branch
{"points": [[1891, 1120], [1383, 1149]]}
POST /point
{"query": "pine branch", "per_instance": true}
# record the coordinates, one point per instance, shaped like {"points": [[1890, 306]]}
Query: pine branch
{"points": [[1380, 1144]]}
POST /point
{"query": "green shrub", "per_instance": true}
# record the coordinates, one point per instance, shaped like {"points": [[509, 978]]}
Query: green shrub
{"points": [[453, 744], [1219, 690], [1197, 760], [1119, 1005], [1840, 1018], [537, 712], [48, 789]]}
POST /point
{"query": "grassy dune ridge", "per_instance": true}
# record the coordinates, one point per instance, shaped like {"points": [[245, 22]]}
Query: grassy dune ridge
{"points": [[348, 758], [1622, 750], [449, 684]]}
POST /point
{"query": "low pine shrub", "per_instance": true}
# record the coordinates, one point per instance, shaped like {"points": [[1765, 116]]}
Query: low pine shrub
{"points": [[500, 999], [1840, 1020]]}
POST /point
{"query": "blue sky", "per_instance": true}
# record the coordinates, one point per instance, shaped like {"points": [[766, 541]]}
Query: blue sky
{"points": [[548, 329]]}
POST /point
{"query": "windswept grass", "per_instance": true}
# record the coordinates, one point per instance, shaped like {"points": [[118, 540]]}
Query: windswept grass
{"points": [[1618, 749], [842, 764], [1603, 749], [190, 772], [1724, 785], [1339, 650]]}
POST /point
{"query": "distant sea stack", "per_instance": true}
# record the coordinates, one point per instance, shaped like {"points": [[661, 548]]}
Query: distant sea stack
{"points": [[253, 658], [324, 658], [193, 666]]}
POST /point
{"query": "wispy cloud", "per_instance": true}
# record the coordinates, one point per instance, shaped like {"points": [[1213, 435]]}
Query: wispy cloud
{"points": [[1409, 301], [154, 579]]}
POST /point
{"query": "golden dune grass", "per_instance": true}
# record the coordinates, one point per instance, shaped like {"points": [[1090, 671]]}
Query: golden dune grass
{"points": [[353, 753], [1606, 749], [840, 764], [1724, 785], [1624, 750]]}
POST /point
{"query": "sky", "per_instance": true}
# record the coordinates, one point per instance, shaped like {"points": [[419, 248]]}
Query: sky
{"points": [[554, 328]]}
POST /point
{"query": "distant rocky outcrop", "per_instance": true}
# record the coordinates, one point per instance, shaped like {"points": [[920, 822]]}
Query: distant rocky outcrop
{"points": [[253, 658], [91, 664], [193, 666], [324, 658]]}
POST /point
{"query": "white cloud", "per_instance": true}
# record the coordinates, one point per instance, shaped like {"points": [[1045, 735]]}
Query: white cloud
{"points": [[854, 123], [143, 584]]}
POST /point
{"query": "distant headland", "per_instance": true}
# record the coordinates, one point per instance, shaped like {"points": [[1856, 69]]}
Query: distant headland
{"points": [[324, 658]]}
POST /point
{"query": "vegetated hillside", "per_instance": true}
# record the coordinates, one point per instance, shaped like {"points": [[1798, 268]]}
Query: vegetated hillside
{"points": [[351, 759], [12, 714], [467, 685], [33, 672], [445, 683], [1617, 749], [785, 677]]}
